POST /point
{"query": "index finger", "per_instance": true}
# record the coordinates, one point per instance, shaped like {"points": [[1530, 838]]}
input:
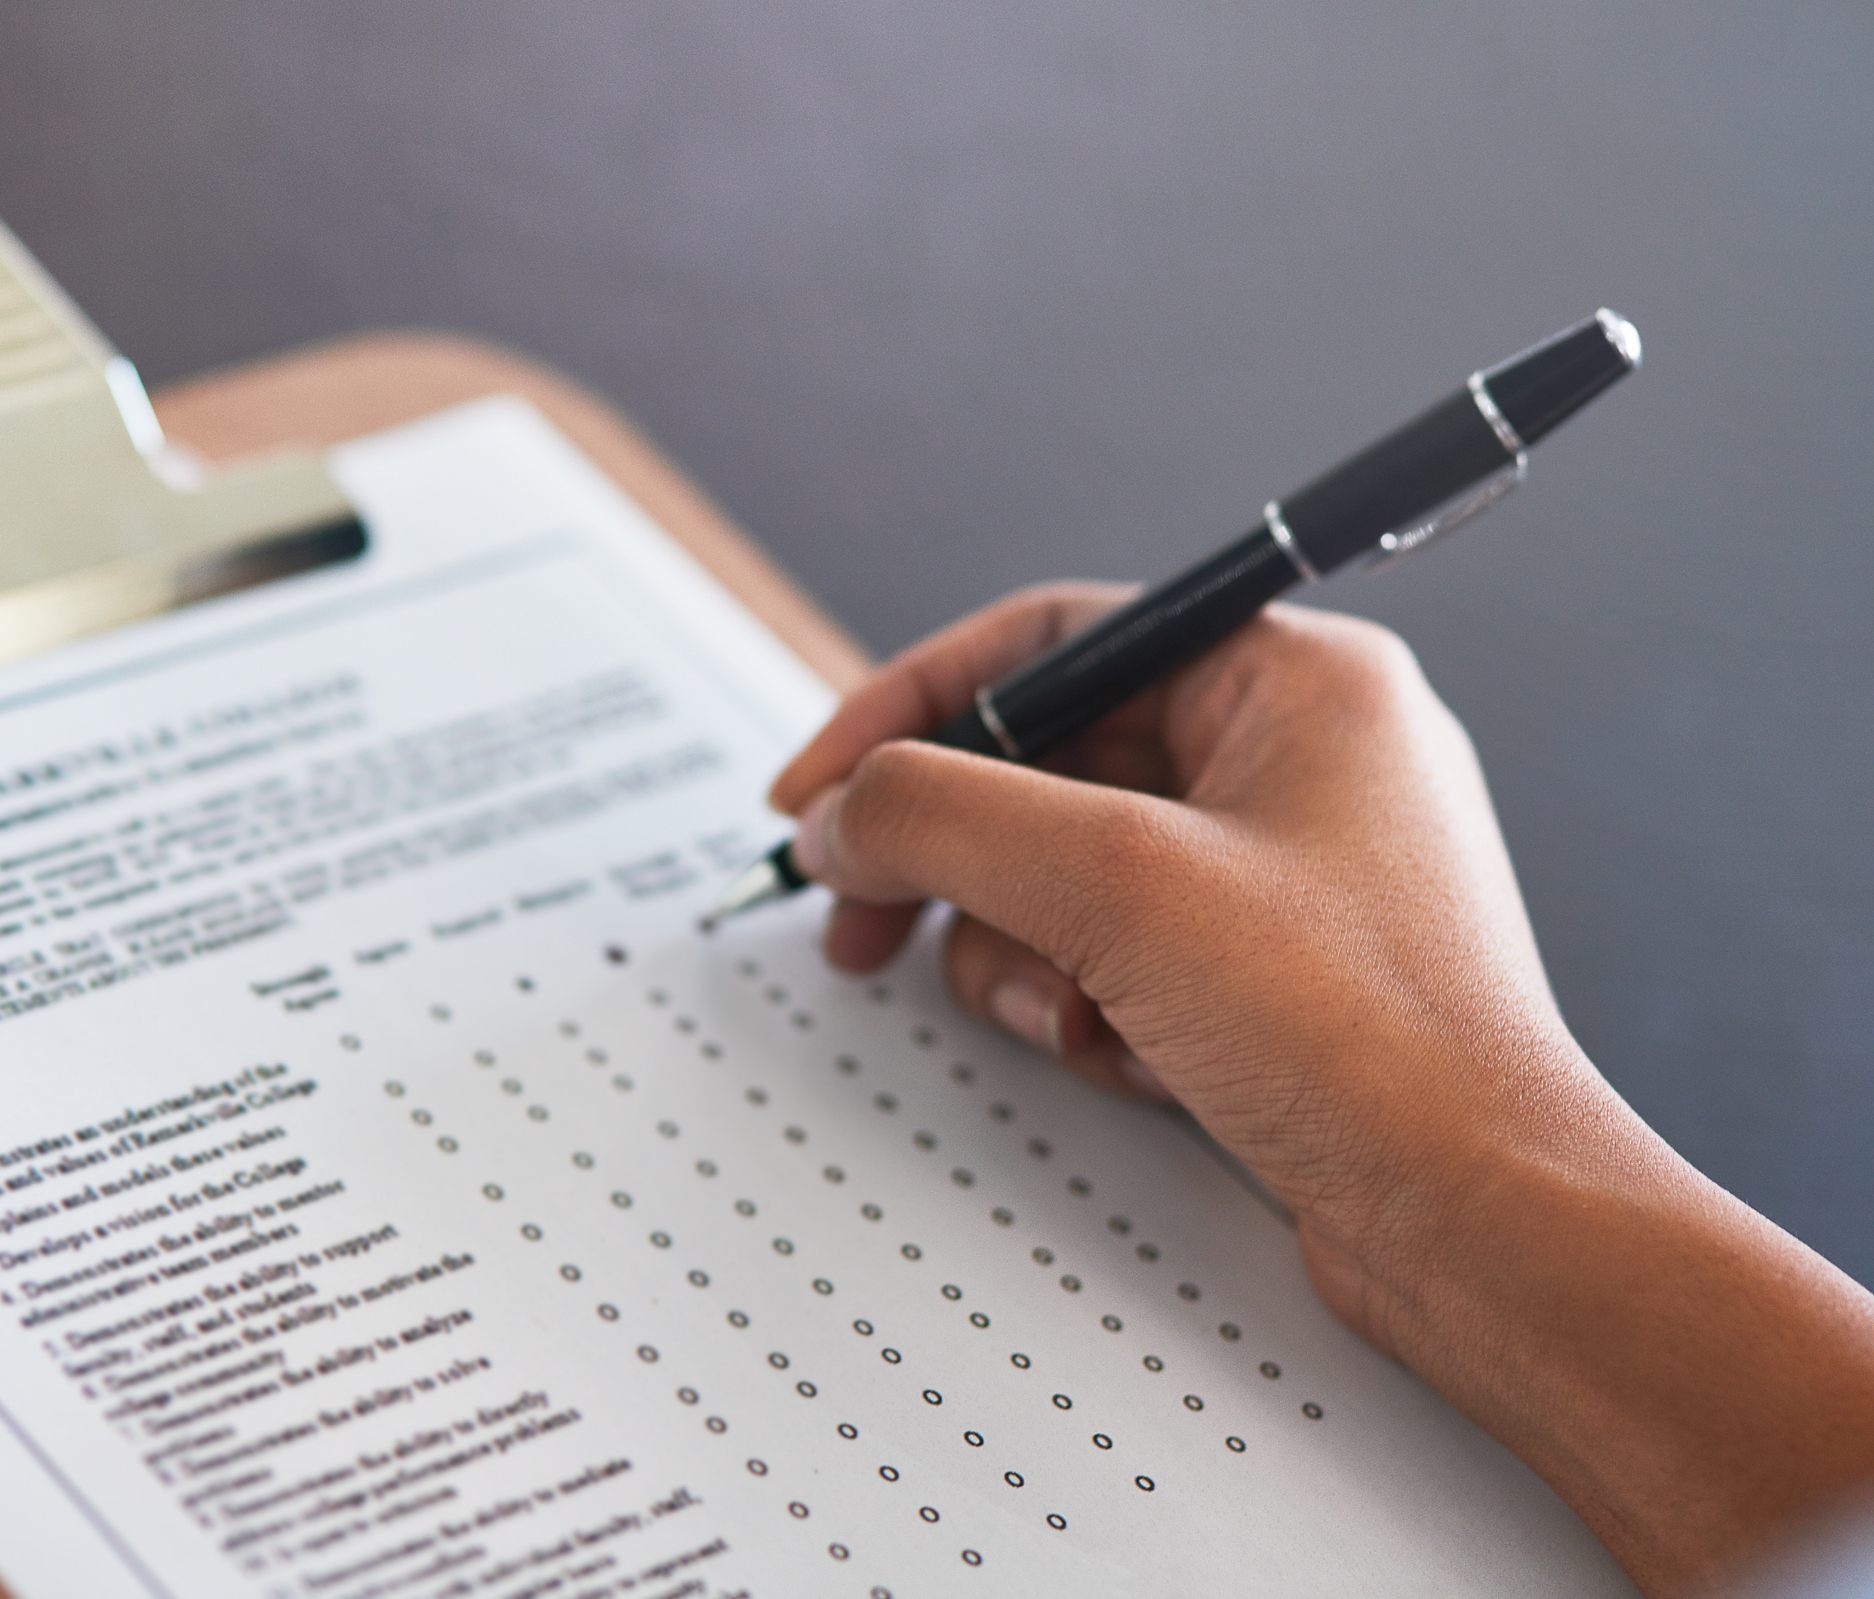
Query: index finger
{"points": [[935, 679]]}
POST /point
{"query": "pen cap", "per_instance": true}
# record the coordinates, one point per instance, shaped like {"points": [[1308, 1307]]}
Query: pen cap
{"points": [[1467, 437], [1543, 387]]}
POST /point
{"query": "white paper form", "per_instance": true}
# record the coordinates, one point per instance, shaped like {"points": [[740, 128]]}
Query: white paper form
{"points": [[397, 1197]]}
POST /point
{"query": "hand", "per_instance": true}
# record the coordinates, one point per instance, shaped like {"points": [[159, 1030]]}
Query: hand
{"points": [[1276, 882], [1274, 887]]}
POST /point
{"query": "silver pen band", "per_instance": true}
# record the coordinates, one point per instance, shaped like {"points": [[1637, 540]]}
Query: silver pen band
{"points": [[986, 713], [1499, 423], [1279, 531]]}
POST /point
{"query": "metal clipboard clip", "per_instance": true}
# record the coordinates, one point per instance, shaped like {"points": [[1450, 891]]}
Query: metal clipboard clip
{"points": [[102, 520]]}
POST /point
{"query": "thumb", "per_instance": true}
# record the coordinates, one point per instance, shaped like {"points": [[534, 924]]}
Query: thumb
{"points": [[1063, 866]]}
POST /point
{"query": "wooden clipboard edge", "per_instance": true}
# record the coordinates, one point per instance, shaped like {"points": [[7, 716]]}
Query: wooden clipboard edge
{"points": [[324, 394]]}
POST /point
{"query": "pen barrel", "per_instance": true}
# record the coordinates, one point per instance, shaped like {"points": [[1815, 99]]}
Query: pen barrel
{"points": [[1393, 483], [1080, 680]]}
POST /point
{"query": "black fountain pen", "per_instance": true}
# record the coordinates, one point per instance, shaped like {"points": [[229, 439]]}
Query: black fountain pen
{"points": [[1397, 495]]}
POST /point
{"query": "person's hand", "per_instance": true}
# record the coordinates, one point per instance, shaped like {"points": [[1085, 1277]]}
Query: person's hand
{"points": [[1274, 888], [1276, 882]]}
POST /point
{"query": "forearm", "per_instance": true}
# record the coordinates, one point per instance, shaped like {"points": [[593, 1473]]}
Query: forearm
{"points": [[1686, 1375]]}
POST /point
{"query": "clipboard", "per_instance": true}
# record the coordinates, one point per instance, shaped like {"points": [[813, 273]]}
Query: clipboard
{"points": [[102, 519], [550, 520]]}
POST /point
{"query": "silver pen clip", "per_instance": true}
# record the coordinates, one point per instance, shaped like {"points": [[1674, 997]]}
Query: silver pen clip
{"points": [[1454, 513]]}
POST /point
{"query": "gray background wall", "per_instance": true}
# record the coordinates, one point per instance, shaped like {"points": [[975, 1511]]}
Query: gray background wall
{"points": [[939, 298]]}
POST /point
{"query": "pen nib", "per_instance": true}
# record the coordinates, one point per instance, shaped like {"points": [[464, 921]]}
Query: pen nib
{"points": [[760, 884]]}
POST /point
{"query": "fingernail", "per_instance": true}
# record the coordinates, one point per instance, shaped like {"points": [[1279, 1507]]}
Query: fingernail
{"points": [[1141, 1079], [810, 841], [1029, 1014]]}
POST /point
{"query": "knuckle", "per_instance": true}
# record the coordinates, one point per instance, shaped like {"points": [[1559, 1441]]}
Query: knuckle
{"points": [[1357, 647], [879, 796], [1361, 666], [1383, 658], [1124, 889], [1381, 649], [1128, 841]]}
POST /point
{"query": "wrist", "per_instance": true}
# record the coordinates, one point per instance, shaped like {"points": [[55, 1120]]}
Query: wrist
{"points": [[1470, 1156], [1685, 1375]]}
